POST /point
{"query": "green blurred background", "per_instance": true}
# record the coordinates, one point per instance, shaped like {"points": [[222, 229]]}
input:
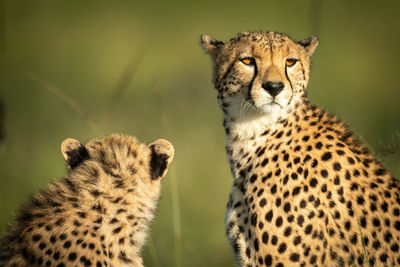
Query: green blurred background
{"points": [[137, 68]]}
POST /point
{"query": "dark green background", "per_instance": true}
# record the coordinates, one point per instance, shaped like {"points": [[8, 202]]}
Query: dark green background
{"points": [[138, 69]]}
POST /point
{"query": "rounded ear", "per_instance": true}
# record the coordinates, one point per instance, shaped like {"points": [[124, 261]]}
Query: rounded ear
{"points": [[309, 44], [162, 153], [210, 45], [74, 152]]}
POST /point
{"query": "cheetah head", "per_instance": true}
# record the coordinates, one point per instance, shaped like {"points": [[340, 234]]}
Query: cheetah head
{"points": [[120, 160], [260, 72]]}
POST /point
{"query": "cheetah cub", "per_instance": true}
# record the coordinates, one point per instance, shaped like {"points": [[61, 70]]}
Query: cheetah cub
{"points": [[98, 214], [305, 191]]}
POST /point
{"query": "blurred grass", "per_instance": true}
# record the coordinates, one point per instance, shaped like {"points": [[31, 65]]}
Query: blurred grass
{"points": [[133, 66]]}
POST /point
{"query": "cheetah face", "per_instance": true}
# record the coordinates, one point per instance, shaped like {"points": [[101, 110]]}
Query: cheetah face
{"points": [[260, 72], [123, 158]]}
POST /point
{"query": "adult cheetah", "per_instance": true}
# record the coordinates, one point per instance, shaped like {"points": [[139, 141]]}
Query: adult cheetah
{"points": [[305, 191], [98, 214]]}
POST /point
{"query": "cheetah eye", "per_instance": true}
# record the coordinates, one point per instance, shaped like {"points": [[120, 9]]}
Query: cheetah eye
{"points": [[248, 61], [290, 62]]}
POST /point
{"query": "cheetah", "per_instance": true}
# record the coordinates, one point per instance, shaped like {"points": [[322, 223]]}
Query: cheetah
{"points": [[96, 215], [305, 191]]}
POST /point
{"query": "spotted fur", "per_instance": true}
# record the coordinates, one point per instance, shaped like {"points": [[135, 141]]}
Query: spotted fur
{"points": [[98, 214], [305, 192]]}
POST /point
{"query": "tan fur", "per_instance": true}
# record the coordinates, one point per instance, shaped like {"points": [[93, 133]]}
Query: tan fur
{"points": [[306, 192], [98, 214]]}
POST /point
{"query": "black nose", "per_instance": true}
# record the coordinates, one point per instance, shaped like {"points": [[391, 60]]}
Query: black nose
{"points": [[273, 88]]}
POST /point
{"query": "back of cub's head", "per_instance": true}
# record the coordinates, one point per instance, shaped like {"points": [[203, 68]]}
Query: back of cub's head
{"points": [[120, 156]]}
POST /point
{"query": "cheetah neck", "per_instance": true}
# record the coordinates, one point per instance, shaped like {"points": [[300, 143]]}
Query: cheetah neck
{"points": [[244, 137]]}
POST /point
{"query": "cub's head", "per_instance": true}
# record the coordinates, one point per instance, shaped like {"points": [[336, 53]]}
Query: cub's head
{"points": [[119, 162], [260, 72]]}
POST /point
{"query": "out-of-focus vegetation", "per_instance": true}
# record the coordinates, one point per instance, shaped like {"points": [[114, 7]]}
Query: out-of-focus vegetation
{"points": [[137, 68]]}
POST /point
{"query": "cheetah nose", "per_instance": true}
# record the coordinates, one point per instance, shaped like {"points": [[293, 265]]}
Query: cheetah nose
{"points": [[273, 88]]}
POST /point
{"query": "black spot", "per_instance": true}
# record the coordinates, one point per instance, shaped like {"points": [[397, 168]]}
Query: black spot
{"points": [[397, 225], [340, 152], [253, 219], [36, 237], [294, 257], [353, 239], [268, 260], [376, 244], [72, 256], [308, 229], [269, 216], [314, 163], [376, 222], [81, 214], [297, 240], [282, 248], [313, 182], [318, 145], [395, 247], [347, 225], [264, 162], [265, 237], [278, 221], [296, 191], [383, 257], [261, 152], [287, 231], [67, 244], [56, 255], [326, 156], [286, 207], [337, 166], [380, 172], [324, 188], [274, 240], [117, 230], [248, 252], [286, 179], [300, 220], [278, 202], [273, 189], [388, 236], [42, 245]]}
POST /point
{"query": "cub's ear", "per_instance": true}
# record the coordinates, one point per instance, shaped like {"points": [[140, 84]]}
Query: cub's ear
{"points": [[309, 44], [210, 45], [162, 153], [74, 152]]}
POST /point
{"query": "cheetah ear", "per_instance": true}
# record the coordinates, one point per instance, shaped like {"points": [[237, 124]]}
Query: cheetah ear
{"points": [[162, 153], [309, 44], [74, 152], [210, 45]]}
